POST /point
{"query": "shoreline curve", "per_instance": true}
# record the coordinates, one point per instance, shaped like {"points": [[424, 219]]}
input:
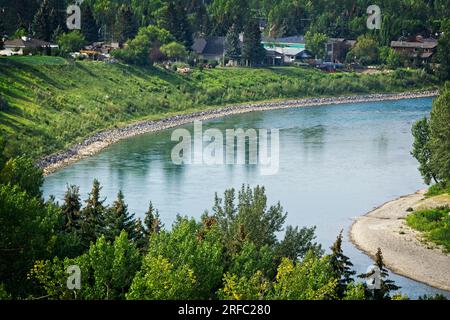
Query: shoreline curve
{"points": [[404, 251], [101, 140]]}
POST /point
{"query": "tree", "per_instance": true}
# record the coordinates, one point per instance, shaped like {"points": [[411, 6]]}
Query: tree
{"points": [[233, 44], [297, 243], [152, 222], [253, 287], [89, 26], [93, 216], [443, 51], [253, 52], [341, 266], [45, 21], [107, 271], [22, 172], [174, 19], [71, 209], [440, 135], [365, 51], [160, 279], [71, 41], [316, 42], [196, 247], [27, 228], [310, 279], [421, 149], [250, 220], [386, 285], [138, 49], [118, 219], [127, 26], [174, 50]]}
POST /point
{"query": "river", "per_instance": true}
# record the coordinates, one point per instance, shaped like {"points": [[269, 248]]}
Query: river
{"points": [[336, 162]]}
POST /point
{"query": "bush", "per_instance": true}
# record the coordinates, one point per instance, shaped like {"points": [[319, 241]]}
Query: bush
{"points": [[71, 41]]}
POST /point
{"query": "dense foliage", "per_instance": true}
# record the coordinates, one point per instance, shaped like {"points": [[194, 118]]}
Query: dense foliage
{"points": [[435, 223], [432, 141], [231, 253]]}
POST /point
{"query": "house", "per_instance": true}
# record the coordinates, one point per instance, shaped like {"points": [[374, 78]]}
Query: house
{"points": [[337, 49], [279, 51], [287, 50], [210, 48], [24, 46], [417, 48]]}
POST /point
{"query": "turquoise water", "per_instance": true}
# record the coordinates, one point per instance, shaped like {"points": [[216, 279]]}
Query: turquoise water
{"points": [[336, 163]]}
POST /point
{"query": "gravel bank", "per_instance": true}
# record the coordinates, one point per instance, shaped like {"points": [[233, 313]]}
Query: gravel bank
{"points": [[101, 140], [403, 249]]}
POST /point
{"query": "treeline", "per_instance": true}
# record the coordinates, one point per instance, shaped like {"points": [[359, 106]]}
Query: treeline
{"points": [[231, 253], [120, 19], [431, 145]]}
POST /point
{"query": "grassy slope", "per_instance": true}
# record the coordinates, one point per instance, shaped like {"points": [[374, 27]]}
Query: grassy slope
{"points": [[53, 103], [435, 223]]}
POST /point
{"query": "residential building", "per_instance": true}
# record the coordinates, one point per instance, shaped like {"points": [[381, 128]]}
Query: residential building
{"points": [[24, 45], [417, 48]]}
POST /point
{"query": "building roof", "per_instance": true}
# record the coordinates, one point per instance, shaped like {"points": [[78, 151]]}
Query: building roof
{"points": [[26, 43], [289, 51], [294, 39], [209, 46], [418, 45]]}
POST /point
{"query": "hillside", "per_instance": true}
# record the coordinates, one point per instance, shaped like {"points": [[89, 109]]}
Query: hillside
{"points": [[48, 103]]}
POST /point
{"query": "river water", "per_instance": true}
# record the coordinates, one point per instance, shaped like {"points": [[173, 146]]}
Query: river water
{"points": [[336, 162]]}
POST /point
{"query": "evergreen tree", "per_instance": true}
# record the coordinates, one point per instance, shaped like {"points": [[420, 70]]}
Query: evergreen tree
{"points": [[175, 20], [139, 235], [89, 26], [152, 222], [93, 216], [71, 209], [127, 26], [118, 219], [45, 21], [341, 266], [252, 52], [233, 44], [386, 285]]}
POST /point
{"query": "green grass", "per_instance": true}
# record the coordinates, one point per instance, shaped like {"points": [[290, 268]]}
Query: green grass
{"points": [[438, 189], [53, 103], [435, 223]]}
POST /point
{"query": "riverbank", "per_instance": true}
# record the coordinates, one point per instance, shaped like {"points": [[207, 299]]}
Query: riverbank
{"points": [[404, 250], [102, 140]]}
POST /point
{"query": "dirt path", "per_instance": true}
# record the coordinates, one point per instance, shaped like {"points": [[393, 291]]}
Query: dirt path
{"points": [[403, 249]]}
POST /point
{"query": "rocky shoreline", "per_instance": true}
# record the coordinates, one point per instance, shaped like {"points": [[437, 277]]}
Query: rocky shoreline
{"points": [[101, 140]]}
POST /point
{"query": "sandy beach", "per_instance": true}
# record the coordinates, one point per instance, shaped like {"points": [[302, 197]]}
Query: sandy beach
{"points": [[102, 140], [404, 250]]}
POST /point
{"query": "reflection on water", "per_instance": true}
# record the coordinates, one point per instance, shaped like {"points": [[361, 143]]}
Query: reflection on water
{"points": [[336, 162]]}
